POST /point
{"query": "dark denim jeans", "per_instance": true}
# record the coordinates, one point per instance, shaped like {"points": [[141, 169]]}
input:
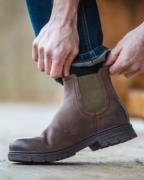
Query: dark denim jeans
{"points": [[91, 50]]}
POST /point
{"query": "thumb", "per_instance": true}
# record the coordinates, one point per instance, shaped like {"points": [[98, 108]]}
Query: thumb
{"points": [[112, 56]]}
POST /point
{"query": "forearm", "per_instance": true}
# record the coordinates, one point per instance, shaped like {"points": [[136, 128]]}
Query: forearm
{"points": [[65, 11]]}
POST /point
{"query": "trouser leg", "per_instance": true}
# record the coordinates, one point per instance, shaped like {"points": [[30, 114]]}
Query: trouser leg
{"points": [[91, 50]]}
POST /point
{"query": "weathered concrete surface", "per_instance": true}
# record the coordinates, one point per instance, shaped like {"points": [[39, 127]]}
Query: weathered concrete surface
{"points": [[121, 162]]}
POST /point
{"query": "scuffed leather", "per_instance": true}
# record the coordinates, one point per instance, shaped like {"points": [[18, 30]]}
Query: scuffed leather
{"points": [[72, 123]]}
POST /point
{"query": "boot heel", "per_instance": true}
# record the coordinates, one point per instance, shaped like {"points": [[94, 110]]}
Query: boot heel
{"points": [[113, 136]]}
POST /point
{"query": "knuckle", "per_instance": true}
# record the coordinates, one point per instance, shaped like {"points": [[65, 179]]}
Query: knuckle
{"points": [[35, 44], [75, 52], [58, 54], [120, 66], [124, 65], [48, 56], [41, 49], [58, 63], [114, 52], [47, 51], [58, 60], [136, 68]]}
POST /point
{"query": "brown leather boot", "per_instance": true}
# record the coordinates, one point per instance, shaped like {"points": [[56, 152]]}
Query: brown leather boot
{"points": [[91, 115]]}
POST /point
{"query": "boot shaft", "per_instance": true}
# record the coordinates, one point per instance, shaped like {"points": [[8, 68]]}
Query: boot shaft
{"points": [[96, 96]]}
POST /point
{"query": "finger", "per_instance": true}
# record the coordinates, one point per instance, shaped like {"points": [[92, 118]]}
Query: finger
{"points": [[41, 59], [132, 71], [113, 55], [120, 65], [124, 68], [66, 69], [47, 62], [67, 65], [57, 66], [129, 75], [35, 52]]}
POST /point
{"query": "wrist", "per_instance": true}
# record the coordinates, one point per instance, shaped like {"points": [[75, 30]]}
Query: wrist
{"points": [[140, 32], [65, 12]]}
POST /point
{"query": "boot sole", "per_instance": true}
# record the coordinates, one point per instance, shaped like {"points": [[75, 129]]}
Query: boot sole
{"points": [[101, 140]]}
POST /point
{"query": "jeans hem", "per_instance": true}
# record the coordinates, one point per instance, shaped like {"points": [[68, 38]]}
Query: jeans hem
{"points": [[91, 57]]}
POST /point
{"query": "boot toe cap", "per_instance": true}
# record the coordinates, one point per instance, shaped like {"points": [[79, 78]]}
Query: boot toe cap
{"points": [[28, 145]]}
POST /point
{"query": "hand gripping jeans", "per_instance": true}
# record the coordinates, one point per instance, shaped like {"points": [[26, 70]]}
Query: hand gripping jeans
{"points": [[91, 50]]}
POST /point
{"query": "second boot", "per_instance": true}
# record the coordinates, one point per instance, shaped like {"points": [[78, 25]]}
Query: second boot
{"points": [[91, 115]]}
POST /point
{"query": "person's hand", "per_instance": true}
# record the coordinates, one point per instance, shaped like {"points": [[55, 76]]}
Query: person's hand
{"points": [[56, 46], [128, 56]]}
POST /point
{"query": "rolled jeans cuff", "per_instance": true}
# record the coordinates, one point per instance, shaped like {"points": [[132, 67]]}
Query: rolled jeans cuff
{"points": [[92, 57]]}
